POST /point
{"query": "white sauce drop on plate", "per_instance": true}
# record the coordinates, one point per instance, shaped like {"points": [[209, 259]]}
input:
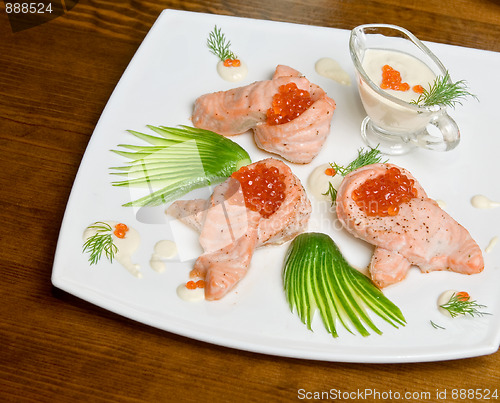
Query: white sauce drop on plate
{"points": [[443, 299], [232, 73], [442, 204], [188, 295], [330, 68], [491, 244], [319, 182], [482, 202], [164, 249], [126, 246]]}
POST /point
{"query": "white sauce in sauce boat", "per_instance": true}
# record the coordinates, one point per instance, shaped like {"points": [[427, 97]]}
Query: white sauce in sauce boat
{"points": [[384, 112], [413, 71]]}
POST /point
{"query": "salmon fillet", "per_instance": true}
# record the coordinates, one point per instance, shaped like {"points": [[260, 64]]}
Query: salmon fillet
{"points": [[230, 232], [241, 109], [421, 234]]}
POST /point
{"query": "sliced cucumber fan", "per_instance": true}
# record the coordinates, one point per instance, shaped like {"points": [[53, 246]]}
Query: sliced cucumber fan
{"points": [[177, 161], [316, 277]]}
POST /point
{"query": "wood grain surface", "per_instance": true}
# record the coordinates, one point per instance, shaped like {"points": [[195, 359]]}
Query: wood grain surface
{"points": [[55, 80]]}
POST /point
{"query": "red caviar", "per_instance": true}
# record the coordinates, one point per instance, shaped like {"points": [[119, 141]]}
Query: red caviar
{"points": [[289, 103], [418, 89], [382, 195], [463, 296], [391, 80], [330, 172], [120, 230], [195, 273], [232, 62], [193, 285], [263, 188]]}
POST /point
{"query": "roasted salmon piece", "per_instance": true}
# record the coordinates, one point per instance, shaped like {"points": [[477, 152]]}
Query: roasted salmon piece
{"points": [[420, 233], [230, 230], [190, 212], [241, 109], [388, 267], [238, 110], [301, 139]]}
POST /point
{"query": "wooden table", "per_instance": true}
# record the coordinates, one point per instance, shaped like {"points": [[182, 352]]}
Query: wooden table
{"points": [[54, 83]]}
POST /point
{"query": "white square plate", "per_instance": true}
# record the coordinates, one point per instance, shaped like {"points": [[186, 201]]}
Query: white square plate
{"points": [[170, 70]]}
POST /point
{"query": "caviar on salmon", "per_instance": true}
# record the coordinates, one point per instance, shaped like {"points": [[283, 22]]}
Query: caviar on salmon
{"points": [[289, 103], [263, 188], [382, 195]]}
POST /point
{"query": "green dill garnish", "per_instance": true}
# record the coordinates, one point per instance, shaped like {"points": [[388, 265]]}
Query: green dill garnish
{"points": [[461, 304], [436, 326], [444, 92], [369, 157], [100, 242], [219, 45], [332, 192]]}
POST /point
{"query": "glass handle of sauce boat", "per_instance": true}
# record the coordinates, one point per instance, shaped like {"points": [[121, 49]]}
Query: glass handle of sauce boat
{"points": [[449, 133]]}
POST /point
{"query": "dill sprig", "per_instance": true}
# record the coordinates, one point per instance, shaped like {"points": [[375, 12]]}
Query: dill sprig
{"points": [[219, 45], [436, 326], [369, 157], [461, 304], [332, 192], [444, 92], [100, 242]]}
